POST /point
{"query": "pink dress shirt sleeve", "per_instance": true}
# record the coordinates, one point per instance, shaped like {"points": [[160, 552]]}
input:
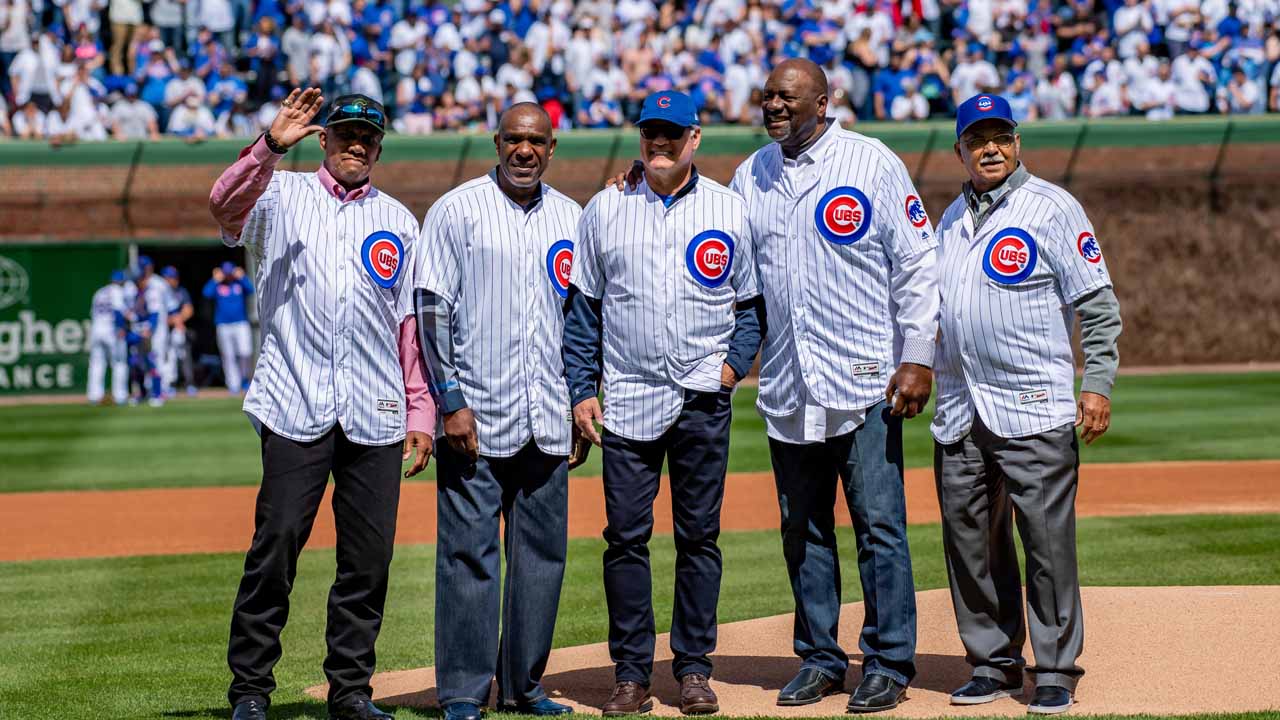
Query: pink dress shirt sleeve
{"points": [[420, 409], [240, 186]]}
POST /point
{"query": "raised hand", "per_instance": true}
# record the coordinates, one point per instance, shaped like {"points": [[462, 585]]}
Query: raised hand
{"points": [[293, 123]]}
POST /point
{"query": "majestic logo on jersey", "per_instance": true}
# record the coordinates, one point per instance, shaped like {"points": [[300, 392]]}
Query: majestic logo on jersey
{"points": [[985, 104], [560, 265], [1087, 244], [843, 215], [1010, 257], [915, 212], [664, 102], [382, 255], [710, 257]]}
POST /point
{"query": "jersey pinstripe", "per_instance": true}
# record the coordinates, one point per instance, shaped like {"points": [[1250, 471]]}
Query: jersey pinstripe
{"points": [[668, 279], [846, 259], [334, 283], [1007, 315], [505, 273]]}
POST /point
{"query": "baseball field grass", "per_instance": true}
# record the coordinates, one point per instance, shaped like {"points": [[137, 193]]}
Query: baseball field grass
{"points": [[145, 637], [210, 443]]}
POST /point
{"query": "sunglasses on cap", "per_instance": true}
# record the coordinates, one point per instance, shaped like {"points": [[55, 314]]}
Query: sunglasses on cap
{"points": [[655, 130], [358, 110]]}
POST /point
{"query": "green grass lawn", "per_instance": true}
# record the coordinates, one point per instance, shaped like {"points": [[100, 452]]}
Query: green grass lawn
{"points": [[146, 637], [206, 443]]}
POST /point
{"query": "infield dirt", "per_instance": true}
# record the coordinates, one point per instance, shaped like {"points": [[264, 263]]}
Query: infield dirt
{"points": [[49, 525]]}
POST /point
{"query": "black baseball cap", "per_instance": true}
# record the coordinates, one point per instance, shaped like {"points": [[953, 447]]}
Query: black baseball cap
{"points": [[357, 108]]}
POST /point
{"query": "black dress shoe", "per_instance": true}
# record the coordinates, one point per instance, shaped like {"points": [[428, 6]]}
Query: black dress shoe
{"points": [[1050, 700], [249, 710], [357, 707], [876, 693], [808, 687], [981, 690]]}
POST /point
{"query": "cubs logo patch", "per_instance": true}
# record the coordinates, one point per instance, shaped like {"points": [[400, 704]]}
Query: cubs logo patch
{"points": [[664, 102], [985, 104], [382, 254], [560, 265], [843, 215], [1010, 257], [915, 212], [710, 257], [1087, 244]]}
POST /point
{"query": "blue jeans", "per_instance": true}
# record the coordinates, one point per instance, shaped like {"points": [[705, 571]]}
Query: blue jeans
{"points": [[530, 492], [868, 462]]}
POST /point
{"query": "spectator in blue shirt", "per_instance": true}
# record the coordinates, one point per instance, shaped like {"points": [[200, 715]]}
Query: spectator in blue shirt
{"points": [[229, 289]]}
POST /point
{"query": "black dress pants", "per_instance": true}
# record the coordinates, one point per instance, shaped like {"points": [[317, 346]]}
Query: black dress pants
{"points": [[365, 498]]}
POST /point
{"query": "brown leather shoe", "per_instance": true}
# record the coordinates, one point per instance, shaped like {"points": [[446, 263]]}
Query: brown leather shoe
{"points": [[696, 695], [629, 698]]}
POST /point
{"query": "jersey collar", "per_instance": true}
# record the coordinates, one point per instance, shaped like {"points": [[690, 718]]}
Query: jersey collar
{"points": [[340, 193], [814, 152], [981, 204], [527, 207], [669, 200]]}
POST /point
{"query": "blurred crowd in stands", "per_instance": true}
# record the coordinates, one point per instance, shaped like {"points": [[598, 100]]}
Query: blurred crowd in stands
{"points": [[134, 69]]}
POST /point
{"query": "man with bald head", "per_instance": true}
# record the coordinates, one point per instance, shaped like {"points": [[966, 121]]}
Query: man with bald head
{"points": [[495, 260], [848, 271]]}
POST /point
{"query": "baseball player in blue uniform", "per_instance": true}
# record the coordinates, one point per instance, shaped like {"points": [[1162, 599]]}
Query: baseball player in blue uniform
{"points": [[1019, 263], [144, 314], [107, 341], [664, 304], [229, 288], [338, 392], [493, 272]]}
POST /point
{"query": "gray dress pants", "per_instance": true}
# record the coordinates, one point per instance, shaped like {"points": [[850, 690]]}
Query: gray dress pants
{"points": [[985, 484]]}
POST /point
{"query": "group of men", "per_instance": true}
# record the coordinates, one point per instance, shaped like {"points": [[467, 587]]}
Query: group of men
{"points": [[514, 308], [139, 331]]}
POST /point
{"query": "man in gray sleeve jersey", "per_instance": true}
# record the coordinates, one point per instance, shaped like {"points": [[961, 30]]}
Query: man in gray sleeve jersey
{"points": [[1018, 261]]}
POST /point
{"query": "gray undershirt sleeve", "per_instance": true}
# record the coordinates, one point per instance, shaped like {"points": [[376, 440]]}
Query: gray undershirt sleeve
{"points": [[1100, 327]]}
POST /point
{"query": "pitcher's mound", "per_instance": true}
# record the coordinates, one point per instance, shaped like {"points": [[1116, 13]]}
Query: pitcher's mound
{"points": [[1147, 650]]}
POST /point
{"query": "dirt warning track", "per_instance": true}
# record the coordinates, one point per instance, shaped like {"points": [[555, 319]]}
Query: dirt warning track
{"points": [[120, 523]]}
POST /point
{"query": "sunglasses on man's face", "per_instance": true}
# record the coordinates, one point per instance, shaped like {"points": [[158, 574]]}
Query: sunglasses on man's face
{"points": [[974, 142], [358, 111], [653, 131]]}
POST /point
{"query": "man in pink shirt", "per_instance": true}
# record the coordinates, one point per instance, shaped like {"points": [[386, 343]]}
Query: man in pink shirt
{"points": [[338, 387]]}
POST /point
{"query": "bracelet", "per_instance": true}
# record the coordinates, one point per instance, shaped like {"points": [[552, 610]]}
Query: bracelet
{"points": [[272, 145]]}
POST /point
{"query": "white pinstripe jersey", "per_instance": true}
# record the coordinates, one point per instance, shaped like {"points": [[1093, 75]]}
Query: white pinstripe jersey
{"points": [[1007, 315], [505, 273], [831, 239], [107, 301], [668, 279], [334, 281]]}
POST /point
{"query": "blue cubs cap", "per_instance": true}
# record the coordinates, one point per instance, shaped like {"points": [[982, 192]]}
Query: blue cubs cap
{"points": [[169, 271], [982, 107], [117, 276], [228, 267], [669, 106], [143, 261]]}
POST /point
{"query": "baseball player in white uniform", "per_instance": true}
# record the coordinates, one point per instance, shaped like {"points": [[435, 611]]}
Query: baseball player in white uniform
{"points": [[159, 300], [493, 272], [664, 302], [1019, 261], [338, 388], [848, 270], [106, 341]]}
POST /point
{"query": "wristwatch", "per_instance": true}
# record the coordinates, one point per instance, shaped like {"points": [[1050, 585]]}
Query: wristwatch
{"points": [[272, 145]]}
